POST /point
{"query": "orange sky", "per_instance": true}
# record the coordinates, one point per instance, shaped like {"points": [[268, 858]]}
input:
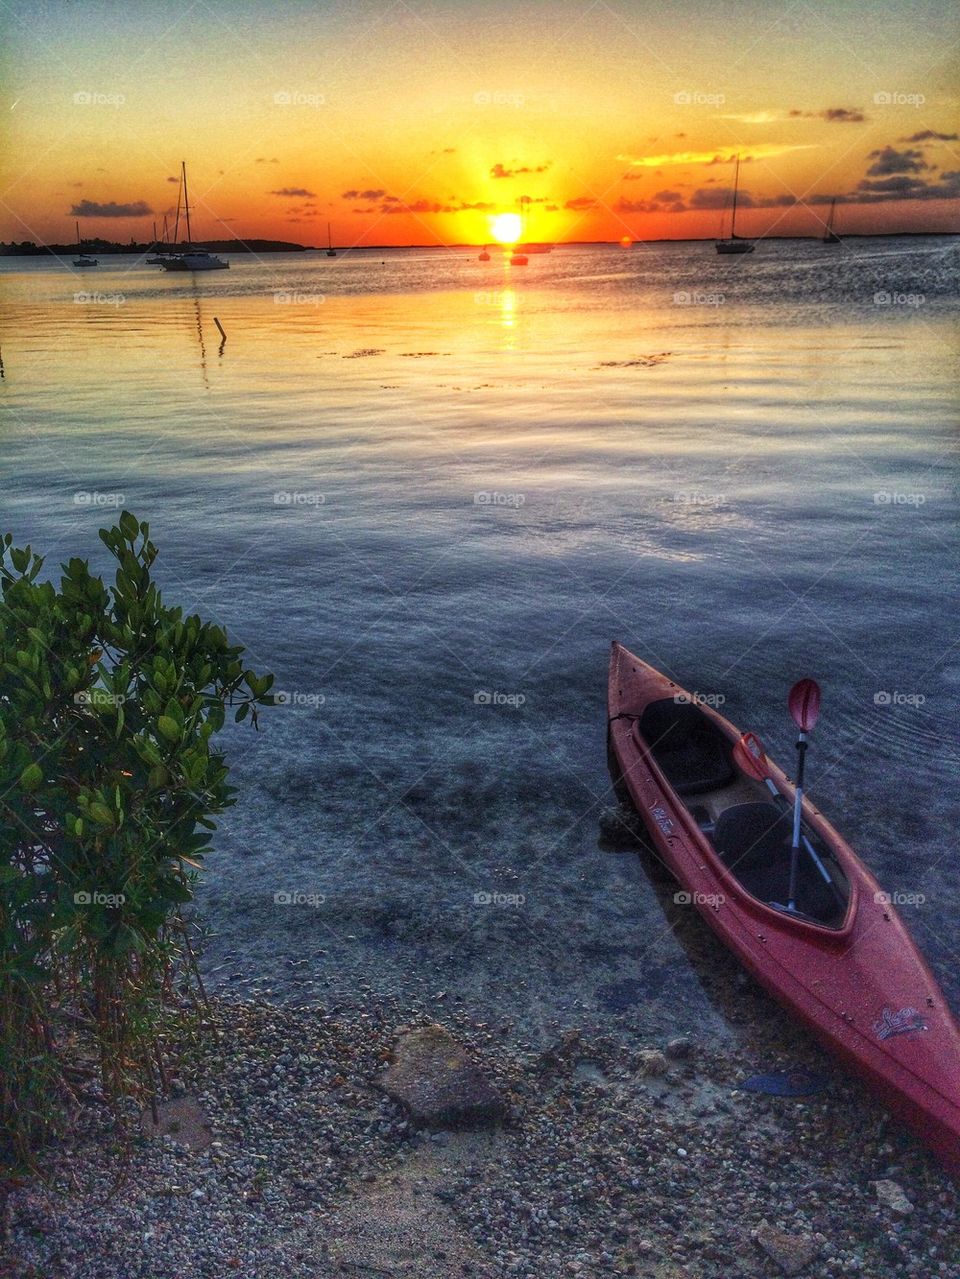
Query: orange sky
{"points": [[406, 123]]}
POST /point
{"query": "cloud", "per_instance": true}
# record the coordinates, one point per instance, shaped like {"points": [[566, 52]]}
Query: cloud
{"points": [[668, 197], [293, 191], [904, 187], [581, 203], [833, 115], [263, 160], [719, 198], [500, 171], [91, 209], [888, 160], [764, 151], [393, 204], [173, 179], [931, 135], [364, 195], [754, 117]]}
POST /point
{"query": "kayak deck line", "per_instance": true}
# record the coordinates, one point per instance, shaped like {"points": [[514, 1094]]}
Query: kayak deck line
{"points": [[843, 963]]}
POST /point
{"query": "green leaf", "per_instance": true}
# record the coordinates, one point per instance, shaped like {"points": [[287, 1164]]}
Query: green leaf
{"points": [[101, 814], [169, 728], [31, 777]]}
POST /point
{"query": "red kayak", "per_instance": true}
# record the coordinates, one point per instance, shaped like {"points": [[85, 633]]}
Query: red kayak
{"points": [[839, 957]]}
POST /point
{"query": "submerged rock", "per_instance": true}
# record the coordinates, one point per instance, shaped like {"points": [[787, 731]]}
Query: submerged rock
{"points": [[439, 1082], [890, 1196], [792, 1253]]}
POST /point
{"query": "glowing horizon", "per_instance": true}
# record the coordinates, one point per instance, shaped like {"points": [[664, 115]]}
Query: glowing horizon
{"points": [[418, 126]]}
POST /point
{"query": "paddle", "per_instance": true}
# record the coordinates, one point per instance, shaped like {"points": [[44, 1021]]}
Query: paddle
{"points": [[804, 703], [751, 758]]}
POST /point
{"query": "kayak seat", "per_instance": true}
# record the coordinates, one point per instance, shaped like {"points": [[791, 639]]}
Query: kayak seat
{"points": [[754, 841], [692, 752]]}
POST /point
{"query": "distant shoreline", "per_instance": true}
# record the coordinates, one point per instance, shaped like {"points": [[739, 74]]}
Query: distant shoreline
{"points": [[28, 250]]}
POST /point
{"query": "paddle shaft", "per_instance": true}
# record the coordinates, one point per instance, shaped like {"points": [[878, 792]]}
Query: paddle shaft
{"points": [[797, 807]]}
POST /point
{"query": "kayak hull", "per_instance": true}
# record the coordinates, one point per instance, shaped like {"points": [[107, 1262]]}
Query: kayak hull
{"points": [[861, 988]]}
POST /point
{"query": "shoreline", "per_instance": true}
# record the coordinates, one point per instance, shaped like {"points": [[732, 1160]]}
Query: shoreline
{"points": [[279, 1152]]}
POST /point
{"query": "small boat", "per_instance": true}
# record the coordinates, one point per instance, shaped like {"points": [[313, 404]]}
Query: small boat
{"points": [[830, 236], [734, 243], [484, 255], [518, 259], [158, 259], [331, 251], [841, 961], [191, 259], [84, 260]]}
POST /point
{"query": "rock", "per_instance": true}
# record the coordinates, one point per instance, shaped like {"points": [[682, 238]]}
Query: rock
{"points": [[650, 1061], [792, 1253], [890, 1196], [679, 1049], [439, 1083]]}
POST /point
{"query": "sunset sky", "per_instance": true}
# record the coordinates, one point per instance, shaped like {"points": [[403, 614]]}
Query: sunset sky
{"points": [[416, 122]]}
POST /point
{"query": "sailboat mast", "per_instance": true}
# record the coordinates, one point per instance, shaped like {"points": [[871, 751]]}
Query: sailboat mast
{"points": [[78, 234], [186, 200], [733, 215]]}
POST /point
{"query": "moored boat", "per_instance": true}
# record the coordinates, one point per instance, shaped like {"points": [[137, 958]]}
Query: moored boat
{"points": [[734, 243], [836, 954], [192, 259]]}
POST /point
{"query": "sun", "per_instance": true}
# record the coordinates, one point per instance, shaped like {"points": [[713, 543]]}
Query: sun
{"points": [[506, 228]]}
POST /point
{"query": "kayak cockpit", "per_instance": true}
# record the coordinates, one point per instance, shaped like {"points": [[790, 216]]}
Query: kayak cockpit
{"points": [[748, 827], [754, 841]]}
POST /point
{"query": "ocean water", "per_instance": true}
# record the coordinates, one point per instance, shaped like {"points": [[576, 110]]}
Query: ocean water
{"points": [[427, 492]]}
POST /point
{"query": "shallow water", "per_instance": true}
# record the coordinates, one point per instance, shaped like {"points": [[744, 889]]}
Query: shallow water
{"points": [[408, 478]]}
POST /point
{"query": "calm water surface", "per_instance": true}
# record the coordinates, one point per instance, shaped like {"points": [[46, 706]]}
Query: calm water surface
{"points": [[409, 478]]}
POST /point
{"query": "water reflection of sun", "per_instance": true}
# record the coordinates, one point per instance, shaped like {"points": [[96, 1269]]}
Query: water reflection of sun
{"points": [[506, 228]]}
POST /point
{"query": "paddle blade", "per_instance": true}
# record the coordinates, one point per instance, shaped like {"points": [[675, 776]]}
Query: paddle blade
{"points": [[804, 702], [751, 758]]}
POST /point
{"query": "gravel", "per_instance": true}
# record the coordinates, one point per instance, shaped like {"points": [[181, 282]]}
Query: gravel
{"points": [[616, 1158]]}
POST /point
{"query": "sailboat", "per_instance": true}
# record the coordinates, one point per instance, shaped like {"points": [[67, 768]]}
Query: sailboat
{"points": [[735, 243], [84, 259], [516, 257], [156, 259], [484, 255], [830, 236], [331, 251], [192, 259]]}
